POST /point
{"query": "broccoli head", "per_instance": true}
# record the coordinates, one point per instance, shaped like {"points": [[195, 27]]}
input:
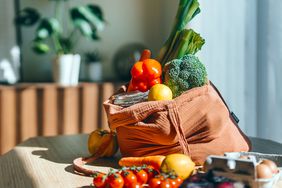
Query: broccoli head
{"points": [[184, 74]]}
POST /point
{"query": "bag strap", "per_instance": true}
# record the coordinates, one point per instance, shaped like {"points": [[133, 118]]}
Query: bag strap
{"points": [[176, 122], [232, 114], [79, 166], [233, 117]]}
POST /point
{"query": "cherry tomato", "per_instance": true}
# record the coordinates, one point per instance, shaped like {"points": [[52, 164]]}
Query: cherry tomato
{"points": [[142, 176], [165, 184], [151, 172], [100, 180], [179, 181], [138, 185], [130, 180], [173, 183], [152, 68], [155, 182], [115, 180], [137, 70]]}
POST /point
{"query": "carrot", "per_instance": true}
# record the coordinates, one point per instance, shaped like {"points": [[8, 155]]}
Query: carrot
{"points": [[146, 54], [154, 161]]}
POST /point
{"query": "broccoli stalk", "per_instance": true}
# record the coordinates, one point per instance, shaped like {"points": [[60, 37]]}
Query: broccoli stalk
{"points": [[187, 10], [184, 74]]}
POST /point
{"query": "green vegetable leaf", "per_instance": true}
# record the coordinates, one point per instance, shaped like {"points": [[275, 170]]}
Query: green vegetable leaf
{"points": [[187, 10], [195, 42], [185, 42], [27, 17]]}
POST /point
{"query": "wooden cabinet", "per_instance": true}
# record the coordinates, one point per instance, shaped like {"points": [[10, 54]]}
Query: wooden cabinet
{"points": [[28, 110]]}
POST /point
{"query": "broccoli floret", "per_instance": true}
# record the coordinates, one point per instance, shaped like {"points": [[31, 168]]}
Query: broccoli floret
{"points": [[184, 74]]}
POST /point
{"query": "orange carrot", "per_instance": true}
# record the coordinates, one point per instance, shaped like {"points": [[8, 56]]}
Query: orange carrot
{"points": [[146, 54], [154, 161]]}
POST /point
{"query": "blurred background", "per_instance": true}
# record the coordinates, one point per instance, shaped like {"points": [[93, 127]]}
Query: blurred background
{"points": [[243, 50]]}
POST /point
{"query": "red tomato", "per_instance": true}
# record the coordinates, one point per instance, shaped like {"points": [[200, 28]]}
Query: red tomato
{"points": [[130, 180], [152, 68], [138, 185], [137, 70], [142, 176], [173, 183], [100, 181], [151, 172], [155, 183], [165, 184], [179, 181], [116, 181]]}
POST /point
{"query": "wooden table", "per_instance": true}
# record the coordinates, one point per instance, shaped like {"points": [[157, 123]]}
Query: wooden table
{"points": [[46, 162]]}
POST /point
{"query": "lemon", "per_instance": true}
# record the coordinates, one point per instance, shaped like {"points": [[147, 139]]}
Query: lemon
{"points": [[160, 92], [180, 164]]}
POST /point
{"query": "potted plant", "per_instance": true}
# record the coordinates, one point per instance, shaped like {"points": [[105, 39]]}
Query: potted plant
{"points": [[50, 35], [93, 62]]}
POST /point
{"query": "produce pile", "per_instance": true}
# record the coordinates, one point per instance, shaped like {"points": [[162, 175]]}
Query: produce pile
{"points": [[151, 171], [175, 70], [176, 170]]}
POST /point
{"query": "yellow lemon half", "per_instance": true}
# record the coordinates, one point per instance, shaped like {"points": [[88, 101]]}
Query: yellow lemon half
{"points": [[180, 164], [160, 92]]}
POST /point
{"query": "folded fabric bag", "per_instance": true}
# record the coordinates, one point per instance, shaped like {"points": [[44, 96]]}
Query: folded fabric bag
{"points": [[197, 123]]}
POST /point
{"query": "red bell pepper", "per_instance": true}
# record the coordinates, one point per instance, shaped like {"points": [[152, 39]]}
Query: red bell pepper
{"points": [[145, 74]]}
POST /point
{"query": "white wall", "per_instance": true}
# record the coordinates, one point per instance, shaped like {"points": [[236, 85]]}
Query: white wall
{"points": [[269, 70], [7, 33], [243, 55], [222, 23], [129, 21]]}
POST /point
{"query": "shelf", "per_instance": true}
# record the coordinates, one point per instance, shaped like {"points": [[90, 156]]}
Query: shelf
{"points": [[47, 109]]}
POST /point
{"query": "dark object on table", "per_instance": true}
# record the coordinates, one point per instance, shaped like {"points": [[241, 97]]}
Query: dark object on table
{"points": [[124, 59], [129, 98], [208, 180]]}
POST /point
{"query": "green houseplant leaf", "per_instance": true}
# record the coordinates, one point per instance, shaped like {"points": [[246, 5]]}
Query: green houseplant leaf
{"points": [[27, 17], [88, 19], [84, 27], [96, 10], [87, 14], [66, 44], [40, 48], [47, 27]]}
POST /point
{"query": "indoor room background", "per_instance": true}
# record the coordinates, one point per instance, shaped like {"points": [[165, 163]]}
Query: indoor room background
{"points": [[243, 50]]}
